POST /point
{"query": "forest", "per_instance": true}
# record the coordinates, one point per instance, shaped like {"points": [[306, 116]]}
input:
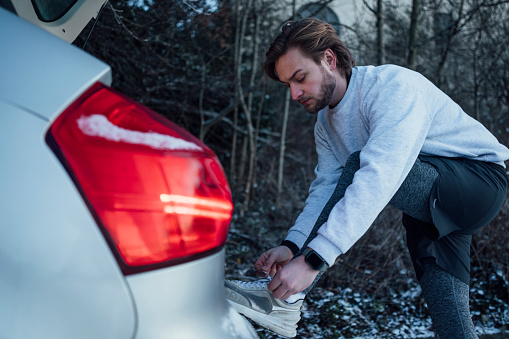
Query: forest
{"points": [[198, 63]]}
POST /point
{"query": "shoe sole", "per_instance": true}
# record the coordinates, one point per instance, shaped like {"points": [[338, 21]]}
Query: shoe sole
{"points": [[265, 320]]}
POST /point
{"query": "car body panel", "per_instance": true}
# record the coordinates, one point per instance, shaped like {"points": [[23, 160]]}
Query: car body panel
{"points": [[58, 272], [63, 71], [198, 304]]}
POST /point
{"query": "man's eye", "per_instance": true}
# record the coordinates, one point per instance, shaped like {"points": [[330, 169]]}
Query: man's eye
{"points": [[301, 79]]}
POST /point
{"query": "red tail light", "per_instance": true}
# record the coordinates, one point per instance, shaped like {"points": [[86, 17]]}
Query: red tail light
{"points": [[160, 194]]}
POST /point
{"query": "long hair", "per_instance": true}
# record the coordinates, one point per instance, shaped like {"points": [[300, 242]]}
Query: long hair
{"points": [[313, 37]]}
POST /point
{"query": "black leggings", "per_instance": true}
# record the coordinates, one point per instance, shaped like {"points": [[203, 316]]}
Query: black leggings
{"points": [[452, 318]]}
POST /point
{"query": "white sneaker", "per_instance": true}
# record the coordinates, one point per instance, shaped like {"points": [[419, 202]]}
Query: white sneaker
{"points": [[255, 301]]}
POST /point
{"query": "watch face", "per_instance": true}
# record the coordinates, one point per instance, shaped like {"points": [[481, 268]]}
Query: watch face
{"points": [[314, 260]]}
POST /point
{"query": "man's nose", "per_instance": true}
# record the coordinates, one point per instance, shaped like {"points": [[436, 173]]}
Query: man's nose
{"points": [[296, 92]]}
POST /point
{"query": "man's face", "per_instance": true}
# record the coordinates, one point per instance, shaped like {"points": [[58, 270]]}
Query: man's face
{"points": [[312, 85]]}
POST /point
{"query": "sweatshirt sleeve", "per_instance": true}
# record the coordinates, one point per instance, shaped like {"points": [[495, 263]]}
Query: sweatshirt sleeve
{"points": [[327, 171], [398, 123]]}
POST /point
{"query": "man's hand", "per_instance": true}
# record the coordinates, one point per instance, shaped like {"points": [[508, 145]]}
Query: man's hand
{"points": [[273, 260], [292, 279]]}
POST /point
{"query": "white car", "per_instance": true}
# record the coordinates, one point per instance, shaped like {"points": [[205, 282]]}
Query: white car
{"points": [[112, 220]]}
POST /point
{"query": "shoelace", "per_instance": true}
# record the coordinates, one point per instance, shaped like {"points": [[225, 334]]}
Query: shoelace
{"points": [[262, 283], [256, 284]]}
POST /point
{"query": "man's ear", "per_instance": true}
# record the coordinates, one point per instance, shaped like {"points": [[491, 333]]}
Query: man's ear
{"points": [[330, 59]]}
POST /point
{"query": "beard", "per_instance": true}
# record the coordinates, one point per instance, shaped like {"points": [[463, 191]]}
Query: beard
{"points": [[326, 92]]}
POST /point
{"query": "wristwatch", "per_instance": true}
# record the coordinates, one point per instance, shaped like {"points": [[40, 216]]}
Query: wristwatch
{"points": [[314, 260]]}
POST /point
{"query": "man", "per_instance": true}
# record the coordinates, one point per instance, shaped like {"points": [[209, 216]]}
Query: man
{"points": [[384, 135]]}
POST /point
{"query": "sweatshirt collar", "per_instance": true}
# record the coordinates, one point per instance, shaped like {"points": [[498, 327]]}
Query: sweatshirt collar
{"points": [[347, 94]]}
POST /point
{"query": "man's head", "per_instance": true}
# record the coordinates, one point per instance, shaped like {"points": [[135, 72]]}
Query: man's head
{"points": [[311, 84], [309, 58], [312, 37]]}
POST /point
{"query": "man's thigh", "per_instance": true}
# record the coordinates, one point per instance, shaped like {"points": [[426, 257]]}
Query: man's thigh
{"points": [[413, 196], [465, 196], [452, 194]]}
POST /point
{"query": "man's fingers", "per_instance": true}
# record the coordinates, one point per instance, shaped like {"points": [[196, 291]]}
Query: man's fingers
{"points": [[273, 285], [261, 261], [282, 292], [269, 261], [287, 295], [278, 288], [273, 260], [261, 274]]}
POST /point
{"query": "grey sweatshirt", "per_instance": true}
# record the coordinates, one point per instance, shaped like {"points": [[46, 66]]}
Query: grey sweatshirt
{"points": [[390, 114]]}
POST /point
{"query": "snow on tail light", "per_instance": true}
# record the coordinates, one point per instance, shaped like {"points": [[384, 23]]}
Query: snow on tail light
{"points": [[159, 194]]}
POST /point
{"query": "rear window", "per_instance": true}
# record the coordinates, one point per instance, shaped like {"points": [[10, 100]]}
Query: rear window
{"points": [[51, 10]]}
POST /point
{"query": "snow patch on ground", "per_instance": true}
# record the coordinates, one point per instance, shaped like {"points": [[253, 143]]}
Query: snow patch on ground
{"points": [[348, 314]]}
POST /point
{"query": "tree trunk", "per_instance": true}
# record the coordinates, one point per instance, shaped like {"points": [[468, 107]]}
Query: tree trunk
{"points": [[475, 74], [250, 128], [243, 159], [236, 67], [245, 108], [257, 127], [380, 32], [412, 42], [454, 30], [282, 145], [200, 103]]}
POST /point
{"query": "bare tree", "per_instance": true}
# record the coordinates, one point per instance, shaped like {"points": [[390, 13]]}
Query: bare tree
{"points": [[380, 18], [282, 146], [380, 32], [249, 108], [413, 34], [237, 60]]}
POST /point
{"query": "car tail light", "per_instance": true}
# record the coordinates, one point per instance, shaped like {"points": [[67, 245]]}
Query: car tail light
{"points": [[159, 193]]}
